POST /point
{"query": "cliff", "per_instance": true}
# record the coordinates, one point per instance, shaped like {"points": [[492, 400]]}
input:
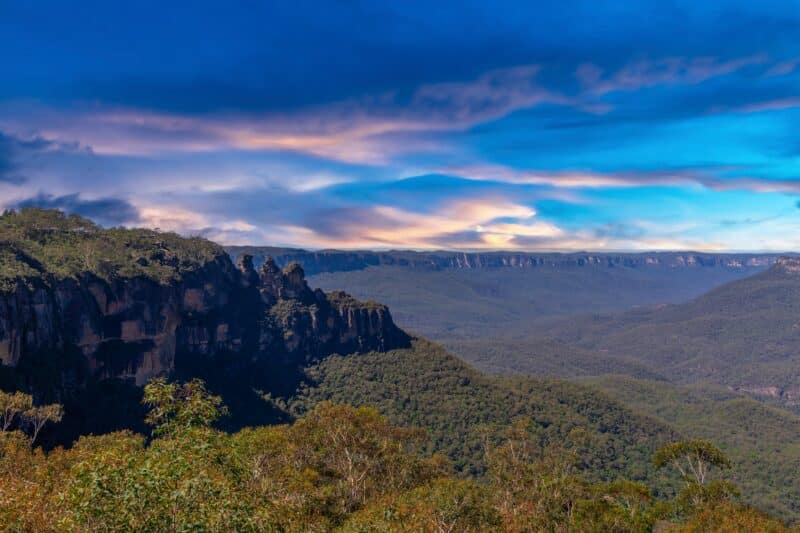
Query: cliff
{"points": [[80, 305], [315, 262], [133, 327], [787, 265]]}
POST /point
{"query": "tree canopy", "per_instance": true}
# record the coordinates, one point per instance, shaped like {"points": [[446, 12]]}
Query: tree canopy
{"points": [[337, 468]]}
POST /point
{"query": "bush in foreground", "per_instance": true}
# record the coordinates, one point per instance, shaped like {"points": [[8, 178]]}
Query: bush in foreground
{"points": [[339, 467]]}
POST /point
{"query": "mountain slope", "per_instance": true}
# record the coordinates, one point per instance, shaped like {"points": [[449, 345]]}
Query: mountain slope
{"points": [[469, 304], [87, 315], [763, 442], [542, 356], [427, 387], [745, 334]]}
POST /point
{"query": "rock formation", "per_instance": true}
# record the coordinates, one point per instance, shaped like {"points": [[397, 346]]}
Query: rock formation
{"points": [[136, 328], [89, 314]]}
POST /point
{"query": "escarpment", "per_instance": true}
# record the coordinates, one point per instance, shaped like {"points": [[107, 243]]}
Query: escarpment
{"points": [[316, 262], [80, 305], [132, 328]]}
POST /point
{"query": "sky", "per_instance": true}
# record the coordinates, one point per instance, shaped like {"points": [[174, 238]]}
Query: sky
{"points": [[572, 125]]}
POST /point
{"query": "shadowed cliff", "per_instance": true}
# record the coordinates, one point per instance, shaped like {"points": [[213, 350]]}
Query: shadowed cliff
{"points": [[88, 315]]}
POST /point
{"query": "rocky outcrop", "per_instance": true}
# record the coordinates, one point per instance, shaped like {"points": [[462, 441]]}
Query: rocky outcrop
{"points": [[787, 396], [137, 328], [788, 265], [315, 262]]}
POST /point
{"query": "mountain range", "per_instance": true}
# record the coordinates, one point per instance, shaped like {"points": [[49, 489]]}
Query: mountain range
{"points": [[88, 315], [728, 319]]}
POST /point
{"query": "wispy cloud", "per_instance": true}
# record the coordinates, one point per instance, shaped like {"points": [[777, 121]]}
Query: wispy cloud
{"points": [[371, 129], [783, 68], [362, 130], [714, 178], [666, 71], [777, 104]]}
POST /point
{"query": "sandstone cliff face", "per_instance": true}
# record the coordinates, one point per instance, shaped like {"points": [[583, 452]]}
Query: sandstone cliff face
{"points": [[316, 262], [788, 265], [137, 328]]}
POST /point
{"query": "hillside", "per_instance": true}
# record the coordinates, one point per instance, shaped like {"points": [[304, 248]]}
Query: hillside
{"points": [[744, 334], [542, 356], [763, 442], [426, 387], [39, 243]]}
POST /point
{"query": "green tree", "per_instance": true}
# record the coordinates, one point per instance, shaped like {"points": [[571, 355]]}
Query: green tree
{"points": [[37, 417], [177, 406], [443, 506], [17, 410], [12, 406], [618, 506], [535, 487], [694, 459]]}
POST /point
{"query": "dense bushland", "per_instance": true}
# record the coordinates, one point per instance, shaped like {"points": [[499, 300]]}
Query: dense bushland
{"points": [[43, 243], [337, 468]]}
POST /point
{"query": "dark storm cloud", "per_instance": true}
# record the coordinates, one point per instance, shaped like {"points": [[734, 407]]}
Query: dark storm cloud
{"points": [[278, 55]]}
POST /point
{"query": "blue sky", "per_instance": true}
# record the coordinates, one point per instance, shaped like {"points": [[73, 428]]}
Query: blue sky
{"points": [[461, 125]]}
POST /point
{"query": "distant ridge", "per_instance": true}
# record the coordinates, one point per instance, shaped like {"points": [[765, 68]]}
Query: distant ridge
{"points": [[322, 261]]}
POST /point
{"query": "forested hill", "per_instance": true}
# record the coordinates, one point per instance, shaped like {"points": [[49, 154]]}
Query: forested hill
{"points": [[743, 334]]}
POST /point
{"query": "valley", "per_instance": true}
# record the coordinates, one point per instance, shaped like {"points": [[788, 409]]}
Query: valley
{"points": [[705, 350]]}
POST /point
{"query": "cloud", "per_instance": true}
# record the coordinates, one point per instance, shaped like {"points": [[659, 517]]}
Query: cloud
{"points": [[667, 71], [369, 129], [104, 211], [714, 178], [11, 149], [372, 129], [7, 167], [777, 104], [343, 132], [386, 226], [783, 68], [492, 95], [21, 156]]}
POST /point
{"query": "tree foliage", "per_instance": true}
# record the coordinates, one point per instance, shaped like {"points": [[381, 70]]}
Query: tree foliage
{"points": [[18, 411], [48, 244], [180, 406], [692, 458], [337, 468]]}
